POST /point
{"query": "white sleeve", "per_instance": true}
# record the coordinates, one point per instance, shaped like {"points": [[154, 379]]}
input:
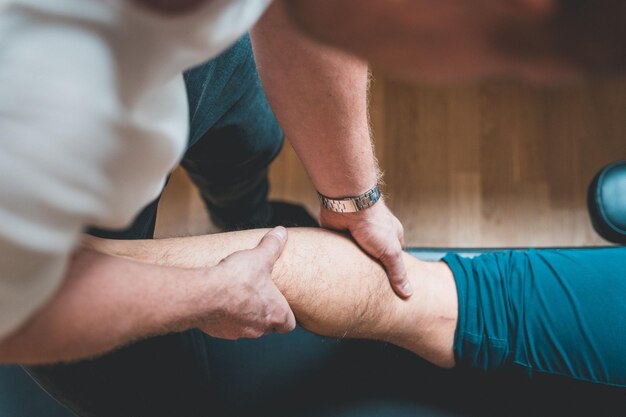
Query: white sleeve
{"points": [[192, 37], [59, 156]]}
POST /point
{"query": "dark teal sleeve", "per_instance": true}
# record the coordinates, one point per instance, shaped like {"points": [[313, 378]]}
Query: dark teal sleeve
{"points": [[554, 311]]}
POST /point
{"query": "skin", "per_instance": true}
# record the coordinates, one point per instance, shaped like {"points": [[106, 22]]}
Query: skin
{"points": [[333, 287], [337, 125], [452, 40], [319, 96], [106, 302], [429, 40]]}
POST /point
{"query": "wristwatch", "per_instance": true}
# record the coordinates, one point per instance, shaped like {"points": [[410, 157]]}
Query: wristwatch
{"points": [[351, 204]]}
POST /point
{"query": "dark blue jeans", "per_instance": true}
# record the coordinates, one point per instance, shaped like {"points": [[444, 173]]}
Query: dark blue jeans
{"points": [[234, 137]]}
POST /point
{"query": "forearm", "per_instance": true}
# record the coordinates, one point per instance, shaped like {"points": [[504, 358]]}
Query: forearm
{"points": [[319, 96], [333, 288], [409, 39], [363, 27], [106, 302]]}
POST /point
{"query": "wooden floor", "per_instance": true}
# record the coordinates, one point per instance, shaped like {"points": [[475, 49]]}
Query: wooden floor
{"points": [[491, 164]]}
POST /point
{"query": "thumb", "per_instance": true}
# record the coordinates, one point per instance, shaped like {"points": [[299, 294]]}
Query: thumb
{"points": [[272, 244], [396, 271]]}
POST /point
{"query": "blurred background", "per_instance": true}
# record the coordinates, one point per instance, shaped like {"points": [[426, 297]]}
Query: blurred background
{"points": [[488, 164], [497, 163]]}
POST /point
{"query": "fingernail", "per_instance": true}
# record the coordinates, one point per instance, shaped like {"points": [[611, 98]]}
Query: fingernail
{"points": [[280, 232], [407, 289]]}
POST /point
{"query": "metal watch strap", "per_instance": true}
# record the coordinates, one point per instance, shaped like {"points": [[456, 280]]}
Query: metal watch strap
{"points": [[351, 204]]}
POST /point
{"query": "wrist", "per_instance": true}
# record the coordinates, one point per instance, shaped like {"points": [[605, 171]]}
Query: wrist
{"points": [[199, 299], [338, 185], [349, 176], [351, 204]]}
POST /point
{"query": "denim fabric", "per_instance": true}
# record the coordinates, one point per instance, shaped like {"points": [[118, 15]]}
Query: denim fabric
{"points": [[300, 374], [559, 312], [234, 136], [232, 143]]}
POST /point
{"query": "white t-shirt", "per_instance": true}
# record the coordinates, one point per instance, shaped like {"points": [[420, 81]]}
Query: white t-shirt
{"points": [[93, 116]]}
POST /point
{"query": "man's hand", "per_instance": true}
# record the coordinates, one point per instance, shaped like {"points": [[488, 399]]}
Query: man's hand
{"points": [[252, 305], [380, 234], [319, 96]]}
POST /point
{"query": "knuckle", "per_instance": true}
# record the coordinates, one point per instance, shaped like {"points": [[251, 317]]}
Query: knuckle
{"points": [[252, 333], [290, 323], [292, 326], [234, 264], [278, 321], [396, 251], [281, 318], [388, 254]]}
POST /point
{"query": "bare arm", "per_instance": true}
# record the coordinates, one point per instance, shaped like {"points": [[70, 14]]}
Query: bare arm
{"points": [[319, 96], [108, 301], [333, 287], [427, 40]]}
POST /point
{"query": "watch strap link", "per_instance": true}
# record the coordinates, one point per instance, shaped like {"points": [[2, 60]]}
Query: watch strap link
{"points": [[351, 204]]}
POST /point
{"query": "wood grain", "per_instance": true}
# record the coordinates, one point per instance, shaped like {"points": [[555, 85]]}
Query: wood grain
{"points": [[497, 163]]}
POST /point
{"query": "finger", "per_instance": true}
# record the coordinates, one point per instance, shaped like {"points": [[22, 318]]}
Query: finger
{"points": [[272, 244], [284, 321], [396, 271], [288, 323], [399, 231]]}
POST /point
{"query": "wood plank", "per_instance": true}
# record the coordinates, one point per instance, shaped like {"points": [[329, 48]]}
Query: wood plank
{"points": [[489, 164]]}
